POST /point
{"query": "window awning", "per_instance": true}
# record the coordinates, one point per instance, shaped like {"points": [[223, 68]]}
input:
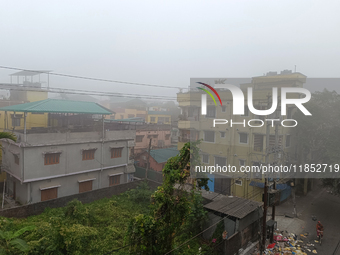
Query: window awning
{"points": [[50, 187]]}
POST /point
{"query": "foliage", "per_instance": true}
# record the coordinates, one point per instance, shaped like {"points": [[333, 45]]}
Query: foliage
{"points": [[318, 135], [94, 228], [7, 135], [10, 243], [141, 194], [177, 210]]}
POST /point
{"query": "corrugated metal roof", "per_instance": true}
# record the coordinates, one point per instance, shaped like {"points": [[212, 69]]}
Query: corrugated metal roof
{"points": [[162, 155], [233, 206], [59, 106]]}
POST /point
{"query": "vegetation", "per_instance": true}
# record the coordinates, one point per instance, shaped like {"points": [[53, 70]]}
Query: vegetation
{"points": [[94, 228], [177, 211], [318, 135], [138, 221]]}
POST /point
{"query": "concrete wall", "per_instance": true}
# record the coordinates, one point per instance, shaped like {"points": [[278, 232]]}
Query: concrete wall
{"points": [[86, 197]]}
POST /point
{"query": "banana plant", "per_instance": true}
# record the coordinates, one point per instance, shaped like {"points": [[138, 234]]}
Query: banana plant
{"points": [[10, 243]]}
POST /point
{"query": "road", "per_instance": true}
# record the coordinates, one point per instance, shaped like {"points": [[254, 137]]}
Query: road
{"points": [[326, 208]]}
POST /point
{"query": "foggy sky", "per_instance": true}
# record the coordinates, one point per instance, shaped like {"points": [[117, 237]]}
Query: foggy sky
{"points": [[167, 42]]}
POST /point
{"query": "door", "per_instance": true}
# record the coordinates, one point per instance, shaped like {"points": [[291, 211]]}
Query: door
{"points": [[48, 194]]}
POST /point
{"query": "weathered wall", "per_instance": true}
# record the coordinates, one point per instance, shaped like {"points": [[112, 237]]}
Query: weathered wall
{"points": [[86, 197]]}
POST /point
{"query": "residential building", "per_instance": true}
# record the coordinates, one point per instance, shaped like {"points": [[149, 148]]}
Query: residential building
{"points": [[157, 158], [238, 145], [160, 117], [125, 108], [160, 136], [75, 153]]}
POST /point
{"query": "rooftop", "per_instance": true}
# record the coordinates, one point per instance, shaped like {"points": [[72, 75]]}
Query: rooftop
{"points": [[233, 206], [29, 72], [162, 155], [59, 106]]}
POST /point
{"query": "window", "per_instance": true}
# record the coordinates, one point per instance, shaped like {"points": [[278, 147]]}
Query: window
{"points": [[88, 154], [224, 108], [16, 159], [16, 120], [238, 182], [287, 140], [121, 116], [222, 134], [211, 111], [258, 142], [220, 161], [52, 158], [209, 136], [48, 194], [167, 119], [205, 158], [246, 111], [114, 180], [131, 115], [85, 186], [152, 119], [242, 162], [243, 138], [167, 136], [116, 152], [139, 138]]}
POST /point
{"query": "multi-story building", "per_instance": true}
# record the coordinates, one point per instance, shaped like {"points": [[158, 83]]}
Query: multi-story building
{"points": [[75, 153], [161, 117], [160, 136], [239, 145]]}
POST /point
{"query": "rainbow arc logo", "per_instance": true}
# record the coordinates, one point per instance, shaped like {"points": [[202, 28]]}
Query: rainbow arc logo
{"points": [[209, 93]]}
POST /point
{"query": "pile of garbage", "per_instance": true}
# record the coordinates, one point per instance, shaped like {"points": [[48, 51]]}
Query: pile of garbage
{"points": [[290, 244]]}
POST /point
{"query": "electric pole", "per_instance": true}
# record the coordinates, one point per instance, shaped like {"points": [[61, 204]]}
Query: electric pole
{"points": [[148, 163], [265, 195]]}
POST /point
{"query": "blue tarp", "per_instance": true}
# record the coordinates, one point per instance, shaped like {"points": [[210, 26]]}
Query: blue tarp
{"points": [[257, 184]]}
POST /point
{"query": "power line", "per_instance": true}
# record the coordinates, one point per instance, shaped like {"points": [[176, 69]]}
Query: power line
{"points": [[93, 79], [100, 94]]}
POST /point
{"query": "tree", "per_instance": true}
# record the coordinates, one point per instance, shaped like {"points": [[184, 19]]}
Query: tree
{"points": [[318, 136], [4, 135], [175, 207]]}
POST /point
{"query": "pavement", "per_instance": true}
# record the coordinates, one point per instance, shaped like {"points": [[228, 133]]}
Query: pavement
{"points": [[319, 203]]}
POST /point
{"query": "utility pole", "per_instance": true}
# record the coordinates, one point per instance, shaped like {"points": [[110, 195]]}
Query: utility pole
{"points": [[276, 159], [148, 163], [265, 195]]}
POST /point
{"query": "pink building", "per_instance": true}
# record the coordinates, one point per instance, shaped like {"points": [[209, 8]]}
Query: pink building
{"points": [[160, 135]]}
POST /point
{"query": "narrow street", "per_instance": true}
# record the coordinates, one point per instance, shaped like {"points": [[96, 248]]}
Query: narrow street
{"points": [[321, 204]]}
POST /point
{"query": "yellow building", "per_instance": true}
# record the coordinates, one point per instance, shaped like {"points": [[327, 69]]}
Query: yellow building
{"points": [[23, 93], [126, 113], [161, 117], [238, 145]]}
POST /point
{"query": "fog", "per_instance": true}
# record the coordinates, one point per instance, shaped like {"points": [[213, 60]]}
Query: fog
{"points": [[167, 42]]}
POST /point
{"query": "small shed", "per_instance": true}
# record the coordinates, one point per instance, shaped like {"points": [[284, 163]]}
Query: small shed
{"points": [[242, 219]]}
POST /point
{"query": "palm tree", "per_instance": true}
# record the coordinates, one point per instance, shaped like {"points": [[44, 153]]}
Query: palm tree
{"points": [[4, 135]]}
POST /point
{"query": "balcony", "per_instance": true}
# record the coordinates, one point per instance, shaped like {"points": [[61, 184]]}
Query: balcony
{"points": [[188, 124]]}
